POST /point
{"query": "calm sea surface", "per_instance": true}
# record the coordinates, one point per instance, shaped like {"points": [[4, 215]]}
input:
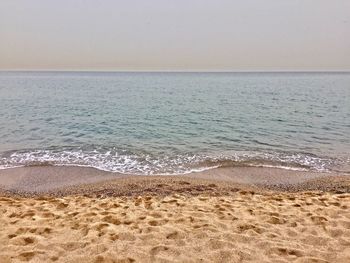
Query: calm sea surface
{"points": [[170, 123]]}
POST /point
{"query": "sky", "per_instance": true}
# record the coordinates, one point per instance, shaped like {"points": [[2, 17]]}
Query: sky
{"points": [[180, 35]]}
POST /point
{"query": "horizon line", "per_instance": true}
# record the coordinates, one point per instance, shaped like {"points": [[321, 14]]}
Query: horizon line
{"points": [[171, 71]]}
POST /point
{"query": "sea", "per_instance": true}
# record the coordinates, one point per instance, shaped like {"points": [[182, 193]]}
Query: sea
{"points": [[148, 123]]}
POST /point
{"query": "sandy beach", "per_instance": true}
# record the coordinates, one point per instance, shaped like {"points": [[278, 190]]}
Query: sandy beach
{"points": [[223, 215], [174, 131]]}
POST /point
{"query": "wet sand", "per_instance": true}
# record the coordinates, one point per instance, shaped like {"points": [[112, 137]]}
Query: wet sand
{"points": [[222, 215], [53, 179]]}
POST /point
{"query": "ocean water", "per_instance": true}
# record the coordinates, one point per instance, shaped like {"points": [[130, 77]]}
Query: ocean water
{"points": [[174, 123]]}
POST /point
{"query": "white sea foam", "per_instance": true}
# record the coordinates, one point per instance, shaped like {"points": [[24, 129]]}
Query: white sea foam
{"points": [[146, 164]]}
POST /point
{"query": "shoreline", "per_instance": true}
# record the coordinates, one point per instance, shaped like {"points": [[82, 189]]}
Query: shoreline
{"points": [[68, 180]]}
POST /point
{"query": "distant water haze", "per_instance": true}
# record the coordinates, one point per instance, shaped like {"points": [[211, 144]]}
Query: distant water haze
{"points": [[173, 123], [185, 35]]}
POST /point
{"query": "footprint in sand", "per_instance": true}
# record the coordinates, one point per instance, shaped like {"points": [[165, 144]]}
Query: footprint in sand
{"points": [[156, 222], [174, 235], [276, 220], [286, 251], [111, 219], [26, 256], [155, 250], [311, 260], [23, 240]]}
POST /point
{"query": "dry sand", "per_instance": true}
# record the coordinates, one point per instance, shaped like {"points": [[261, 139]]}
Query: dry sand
{"points": [[178, 219]]}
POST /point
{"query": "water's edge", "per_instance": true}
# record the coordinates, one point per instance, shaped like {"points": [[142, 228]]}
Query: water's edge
{"points": [[146, 164]]}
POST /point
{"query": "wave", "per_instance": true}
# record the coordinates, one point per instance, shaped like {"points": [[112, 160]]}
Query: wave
{"points": [[127, 162]]}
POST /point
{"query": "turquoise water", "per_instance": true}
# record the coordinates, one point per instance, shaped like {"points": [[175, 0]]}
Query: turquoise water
{"points": [[171, 123]]}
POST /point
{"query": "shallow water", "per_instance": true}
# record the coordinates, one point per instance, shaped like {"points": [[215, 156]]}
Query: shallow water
{"points": [[156, 123]]}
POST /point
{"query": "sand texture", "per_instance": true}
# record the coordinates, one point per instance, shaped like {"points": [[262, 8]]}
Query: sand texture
{"points": [[244, 226], [45, 179]]}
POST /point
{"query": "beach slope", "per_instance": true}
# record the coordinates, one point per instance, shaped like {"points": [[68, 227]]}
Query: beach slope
{"points": [[177, 219]]}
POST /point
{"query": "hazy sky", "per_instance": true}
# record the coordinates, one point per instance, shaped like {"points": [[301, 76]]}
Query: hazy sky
{"points": [[175, 34]]}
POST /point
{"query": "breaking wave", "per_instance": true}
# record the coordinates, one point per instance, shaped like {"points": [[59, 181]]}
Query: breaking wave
{"points": [[122, 161]]}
